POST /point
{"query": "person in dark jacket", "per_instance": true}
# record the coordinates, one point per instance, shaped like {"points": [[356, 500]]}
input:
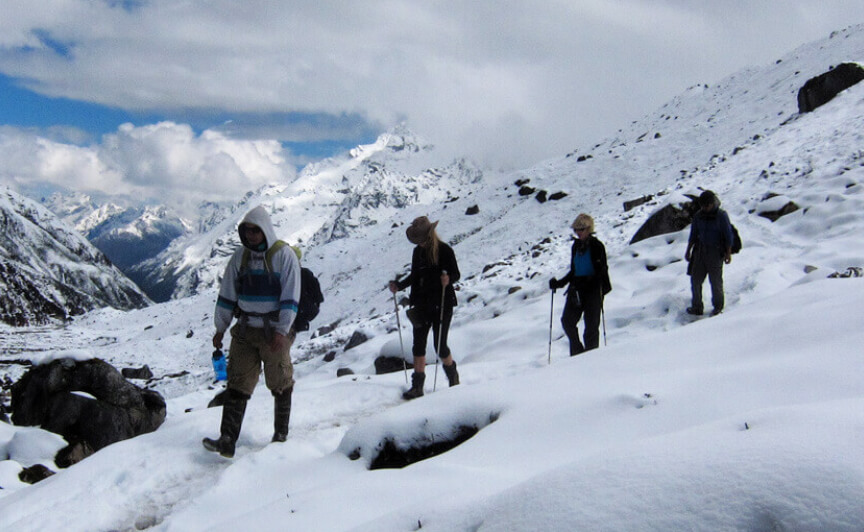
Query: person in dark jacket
{"points": [[589, 283], [709, 247], [433, 273]]}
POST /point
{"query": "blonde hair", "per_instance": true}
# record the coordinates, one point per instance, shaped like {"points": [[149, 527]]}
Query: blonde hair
{"points": [[584, 220]]}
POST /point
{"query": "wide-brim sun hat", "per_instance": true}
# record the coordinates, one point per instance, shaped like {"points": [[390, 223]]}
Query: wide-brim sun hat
{"points": [[420, 230]]}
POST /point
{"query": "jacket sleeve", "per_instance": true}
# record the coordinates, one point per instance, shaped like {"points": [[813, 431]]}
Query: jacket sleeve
{"points": [[564, 281], [603, 267], [226, 302], [406, 281], [451, 266], [289, 300], [726, 229]]}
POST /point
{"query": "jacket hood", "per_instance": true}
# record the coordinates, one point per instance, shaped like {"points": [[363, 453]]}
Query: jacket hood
{"points": [[258, 216]]}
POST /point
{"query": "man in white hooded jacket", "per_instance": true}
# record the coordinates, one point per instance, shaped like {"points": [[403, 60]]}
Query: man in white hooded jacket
{"points": [[261, 288]]}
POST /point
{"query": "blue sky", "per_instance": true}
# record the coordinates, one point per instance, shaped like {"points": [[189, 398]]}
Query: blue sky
{"points": [[27, 109], [245, 93]]}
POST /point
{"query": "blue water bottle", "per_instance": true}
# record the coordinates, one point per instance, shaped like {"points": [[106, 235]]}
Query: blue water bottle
{"points": [[219, 365]]}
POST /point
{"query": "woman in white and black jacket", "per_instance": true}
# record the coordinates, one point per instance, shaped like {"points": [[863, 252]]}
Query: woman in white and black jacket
{"points": [[433, 270], [589, 283]]}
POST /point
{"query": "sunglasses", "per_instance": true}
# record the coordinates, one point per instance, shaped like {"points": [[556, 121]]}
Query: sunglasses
{"points": [[579, 229], [251, 229]]}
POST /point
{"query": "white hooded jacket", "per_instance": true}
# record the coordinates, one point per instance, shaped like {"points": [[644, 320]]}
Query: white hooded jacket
{"points": [[286, 268]]}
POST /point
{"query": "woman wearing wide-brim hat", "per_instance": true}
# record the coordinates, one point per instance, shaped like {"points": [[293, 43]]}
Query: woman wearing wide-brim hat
{"points": [[433, 273]]}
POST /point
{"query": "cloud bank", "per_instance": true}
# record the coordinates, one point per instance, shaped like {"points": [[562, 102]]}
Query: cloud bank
{"points": [[509, 83]]}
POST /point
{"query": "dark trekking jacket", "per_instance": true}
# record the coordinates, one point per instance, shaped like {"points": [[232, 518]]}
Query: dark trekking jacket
{"points": [[712, 230], [425, 278], [600, 278]]}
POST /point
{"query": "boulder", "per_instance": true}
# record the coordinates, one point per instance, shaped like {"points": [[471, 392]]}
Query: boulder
{"points": [[670, 219], [34, 474], [386, 364], [632, 204], [87, 402], [356, 339], [824, 87], [143, 373], [775, 215]]}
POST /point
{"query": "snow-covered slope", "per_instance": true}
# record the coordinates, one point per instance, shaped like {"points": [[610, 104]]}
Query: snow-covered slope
{"points": [[747, 421], [336, 199], [126, 234], [49, 271]]}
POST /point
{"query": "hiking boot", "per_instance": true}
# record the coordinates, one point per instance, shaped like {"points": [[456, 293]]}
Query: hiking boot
{"points": [[452, 374], [232, 419], [281, 415], [224, 446], [716, 311], [694, 311], [416, 390]]}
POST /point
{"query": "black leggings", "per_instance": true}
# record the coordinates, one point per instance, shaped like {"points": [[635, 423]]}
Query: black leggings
{"points": [[423, 320], [587, 302]]}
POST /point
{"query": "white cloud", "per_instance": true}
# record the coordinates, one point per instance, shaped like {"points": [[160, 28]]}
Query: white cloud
{"points": [[511, 81], [164, 161]]}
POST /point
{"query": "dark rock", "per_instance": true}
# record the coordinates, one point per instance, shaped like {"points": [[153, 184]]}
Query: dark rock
{"points": [[356, 339], [520, 182], [474, 209], [632, 204], [392, 457], [824, 87], [140, 373], [526, 190], [848, 273], [388, 365], [34, 473], [558, 195], [330, 357], [669, 219], [541, 196], [783, 211], [342, 372], [73, 453], [50, 396], [513, 289]]}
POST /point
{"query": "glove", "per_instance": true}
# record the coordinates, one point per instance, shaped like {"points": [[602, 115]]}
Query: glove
{"points": [[553, 284]]}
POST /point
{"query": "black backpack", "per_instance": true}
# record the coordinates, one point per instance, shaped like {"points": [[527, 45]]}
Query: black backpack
{"points": [[736, 240], [310, 300]]}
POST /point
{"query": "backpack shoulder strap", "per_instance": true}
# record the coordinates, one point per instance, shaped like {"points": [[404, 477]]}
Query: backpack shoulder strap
{"points": [[268, 256]]}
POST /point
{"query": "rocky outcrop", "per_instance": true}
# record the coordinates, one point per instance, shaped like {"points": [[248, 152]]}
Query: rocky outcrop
{"points": [[670, 219], [89, 403], [824, 87], [49, 272]]}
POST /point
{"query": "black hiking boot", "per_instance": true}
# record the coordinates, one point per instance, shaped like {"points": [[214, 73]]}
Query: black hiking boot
{"points": [[224, 446], [452, 374], [416, 390], [716, 311], [281, 414], [232, 419], [693, 311]]}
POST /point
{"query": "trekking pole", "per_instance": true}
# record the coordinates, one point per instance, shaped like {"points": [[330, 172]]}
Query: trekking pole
{"points": [[603, 318], [401, 344], [440, 328], [551, 317]]}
